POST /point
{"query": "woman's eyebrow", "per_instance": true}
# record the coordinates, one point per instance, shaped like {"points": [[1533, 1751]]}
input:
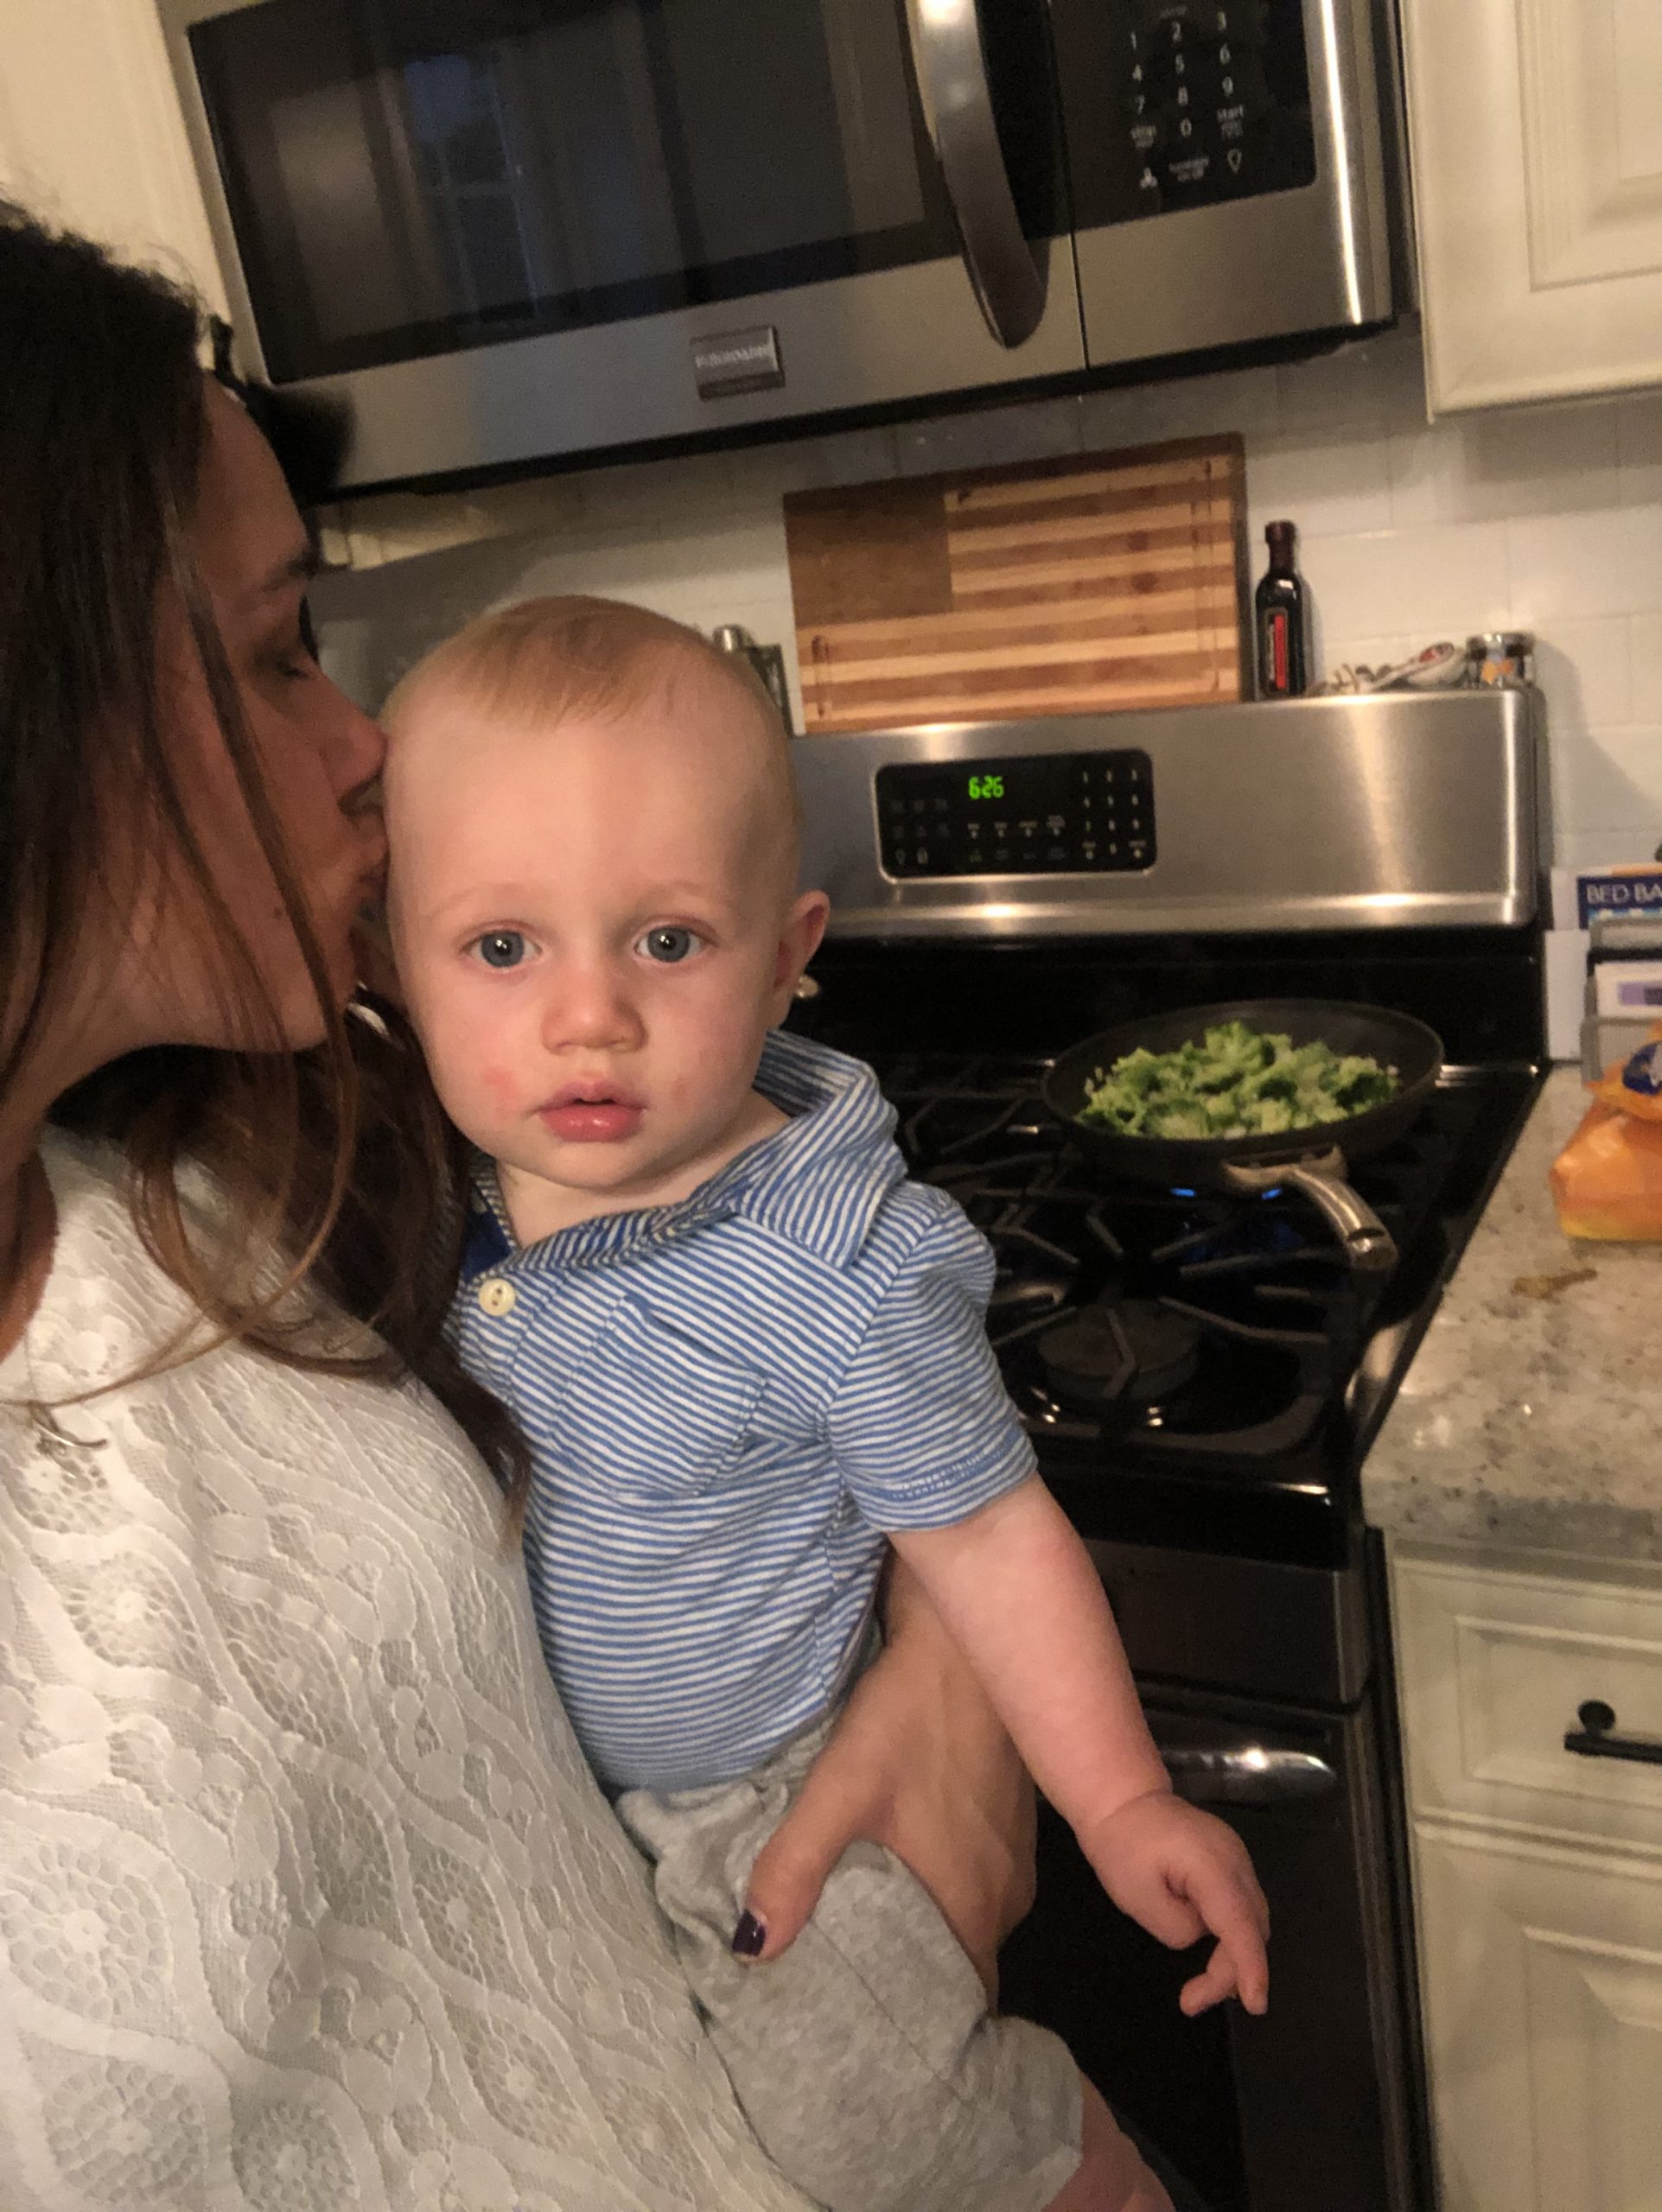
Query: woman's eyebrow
{"points": [[299, 566]]}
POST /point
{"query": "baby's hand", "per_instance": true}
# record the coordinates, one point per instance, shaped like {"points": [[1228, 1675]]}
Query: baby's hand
{"points": [[1179, 1871]]}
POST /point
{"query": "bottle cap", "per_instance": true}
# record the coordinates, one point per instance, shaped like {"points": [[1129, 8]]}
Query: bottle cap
{"points": [[1280, 533]]}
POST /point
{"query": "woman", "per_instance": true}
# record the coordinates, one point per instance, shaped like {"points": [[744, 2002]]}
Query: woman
{"points": [[305, 1898]]}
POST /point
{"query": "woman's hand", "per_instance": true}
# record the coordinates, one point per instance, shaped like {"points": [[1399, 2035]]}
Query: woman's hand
{"points": [[918, 1760]]}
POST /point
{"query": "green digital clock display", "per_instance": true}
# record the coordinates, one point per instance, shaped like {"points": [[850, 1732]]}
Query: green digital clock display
{"points": [[986, 788]]}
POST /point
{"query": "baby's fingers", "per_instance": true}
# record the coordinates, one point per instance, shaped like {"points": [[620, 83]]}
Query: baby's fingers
{"points": [[1235, 1913], [1215, 1981]]}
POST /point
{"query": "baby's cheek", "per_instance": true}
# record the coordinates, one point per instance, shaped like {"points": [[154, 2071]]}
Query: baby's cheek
{"points": [[500, 1086], [478, 1092]]}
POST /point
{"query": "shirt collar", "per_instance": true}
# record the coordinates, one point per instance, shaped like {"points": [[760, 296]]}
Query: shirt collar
{"points": [[817, 1182]]}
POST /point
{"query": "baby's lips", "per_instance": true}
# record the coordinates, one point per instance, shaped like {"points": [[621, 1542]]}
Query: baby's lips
{"points": [[590, 1094]]}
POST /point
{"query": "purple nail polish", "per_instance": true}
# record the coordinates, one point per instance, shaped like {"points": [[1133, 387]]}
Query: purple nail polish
{"points": [[748, 1936]]}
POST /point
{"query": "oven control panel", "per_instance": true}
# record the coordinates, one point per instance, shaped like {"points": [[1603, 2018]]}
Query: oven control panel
{"points": [[1037, 814]]}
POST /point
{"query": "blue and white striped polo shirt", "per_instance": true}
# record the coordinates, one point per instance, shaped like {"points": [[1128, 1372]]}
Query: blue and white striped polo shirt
{"points": [[729, 1399]]}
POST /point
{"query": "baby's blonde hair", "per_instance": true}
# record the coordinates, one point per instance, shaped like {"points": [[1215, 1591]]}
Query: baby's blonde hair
{"points": [[545, 659]]}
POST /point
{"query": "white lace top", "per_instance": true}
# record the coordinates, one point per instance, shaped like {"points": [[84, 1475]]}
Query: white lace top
{"points": [[307, 1900]]}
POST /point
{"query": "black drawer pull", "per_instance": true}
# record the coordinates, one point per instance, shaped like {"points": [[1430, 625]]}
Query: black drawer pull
{"points": [[1592, 1738]]}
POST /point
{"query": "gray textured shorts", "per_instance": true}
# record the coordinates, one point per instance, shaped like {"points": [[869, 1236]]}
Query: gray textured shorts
{"points": [[865, 2057]]}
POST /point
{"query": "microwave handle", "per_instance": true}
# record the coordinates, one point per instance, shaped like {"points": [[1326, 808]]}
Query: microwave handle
{"points": [[952, 85]]}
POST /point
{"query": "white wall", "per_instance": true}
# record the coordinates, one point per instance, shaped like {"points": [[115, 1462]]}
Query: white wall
{"points": [[1548, 519]]}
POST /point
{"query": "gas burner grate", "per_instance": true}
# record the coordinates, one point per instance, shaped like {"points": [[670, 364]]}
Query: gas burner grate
{"points": [[1218, 1331]]}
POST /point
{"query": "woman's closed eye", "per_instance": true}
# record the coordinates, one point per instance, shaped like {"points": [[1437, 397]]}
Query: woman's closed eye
{"points": [[290, 660], [669, 944], [502, 949]]}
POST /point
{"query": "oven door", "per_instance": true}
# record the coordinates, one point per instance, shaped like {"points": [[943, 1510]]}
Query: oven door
{"points": [[1228, 164], [529, 227], [1311, 2105]]}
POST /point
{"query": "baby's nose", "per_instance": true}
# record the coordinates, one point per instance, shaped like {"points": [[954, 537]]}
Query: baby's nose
{"points": [[592, 1011]]}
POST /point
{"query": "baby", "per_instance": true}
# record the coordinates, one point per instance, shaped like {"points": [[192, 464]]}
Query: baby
{"points": [[749, 1356]]}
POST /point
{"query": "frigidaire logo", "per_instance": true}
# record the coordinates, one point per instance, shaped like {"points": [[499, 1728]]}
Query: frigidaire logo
{"points": [[731, 361], [709, 358]]}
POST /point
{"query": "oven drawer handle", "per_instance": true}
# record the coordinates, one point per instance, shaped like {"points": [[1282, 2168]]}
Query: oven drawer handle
{"points": [[1246, 1775], [1593, 1740], [957, 99]]}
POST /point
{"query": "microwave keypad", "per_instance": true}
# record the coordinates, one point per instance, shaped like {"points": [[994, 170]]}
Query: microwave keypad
{"points": [[1048, 814], [1218, 100]]}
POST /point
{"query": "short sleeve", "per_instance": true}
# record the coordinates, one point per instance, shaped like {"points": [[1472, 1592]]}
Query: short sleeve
{"points": [[921, 1427]]}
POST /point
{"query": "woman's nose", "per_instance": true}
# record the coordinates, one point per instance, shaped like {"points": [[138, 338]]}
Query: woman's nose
{"points": [[357, 754]]}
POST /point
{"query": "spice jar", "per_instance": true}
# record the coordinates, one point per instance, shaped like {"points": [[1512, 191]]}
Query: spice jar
{"points": [[1500, 657]]}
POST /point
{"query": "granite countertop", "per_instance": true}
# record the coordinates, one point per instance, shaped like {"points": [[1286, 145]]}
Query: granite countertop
{"points": [[1532, 1415]]}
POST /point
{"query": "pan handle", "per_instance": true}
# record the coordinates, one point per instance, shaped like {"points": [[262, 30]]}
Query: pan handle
{"points": [[1368, 1243]]}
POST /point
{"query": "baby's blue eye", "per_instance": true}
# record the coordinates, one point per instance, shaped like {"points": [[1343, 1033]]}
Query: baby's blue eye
{"points": [[668, 945], [501, 948]]}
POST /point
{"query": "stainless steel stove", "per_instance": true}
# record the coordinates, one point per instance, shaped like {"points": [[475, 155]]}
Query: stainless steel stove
{"points": [[1201, 1376]]}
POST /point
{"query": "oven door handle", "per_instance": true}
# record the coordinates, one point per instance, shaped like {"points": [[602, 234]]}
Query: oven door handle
{"points": [[1245, 1774], [951, 67]]}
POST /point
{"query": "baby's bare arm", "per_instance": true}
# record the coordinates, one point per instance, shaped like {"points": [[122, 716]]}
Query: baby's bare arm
{"points": [[1017, 1588]]}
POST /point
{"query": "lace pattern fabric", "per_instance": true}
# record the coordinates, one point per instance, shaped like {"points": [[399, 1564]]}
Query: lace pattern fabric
{"points": [[307, 1897]]}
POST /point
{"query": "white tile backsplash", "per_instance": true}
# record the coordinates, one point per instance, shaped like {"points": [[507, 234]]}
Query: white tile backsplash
{"points": [[1585, 668], [1442, 582], [1496, 468], [1596, 562], [1547, 518], [1638, 445], [1645, 669], [1329, 490], [1611, 781]]}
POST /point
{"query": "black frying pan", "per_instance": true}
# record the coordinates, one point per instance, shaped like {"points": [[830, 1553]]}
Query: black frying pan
{"points": [[1315, 1160]]}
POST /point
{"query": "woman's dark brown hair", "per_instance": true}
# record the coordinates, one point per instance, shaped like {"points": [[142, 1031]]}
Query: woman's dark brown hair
{"points": [[334, 1167]]}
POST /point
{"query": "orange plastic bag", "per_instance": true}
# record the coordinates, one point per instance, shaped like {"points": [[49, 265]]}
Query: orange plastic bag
{"points": [[1607, 1182]]}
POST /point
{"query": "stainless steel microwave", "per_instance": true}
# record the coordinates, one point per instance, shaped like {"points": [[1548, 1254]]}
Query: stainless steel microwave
{"points": [[505, 230]]}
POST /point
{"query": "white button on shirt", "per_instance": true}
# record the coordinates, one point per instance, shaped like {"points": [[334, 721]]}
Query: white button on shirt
{"points": [[498, 1298]]}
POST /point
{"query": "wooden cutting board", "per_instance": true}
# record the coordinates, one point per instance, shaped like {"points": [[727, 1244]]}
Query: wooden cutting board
{"points": [[1073, 585]]}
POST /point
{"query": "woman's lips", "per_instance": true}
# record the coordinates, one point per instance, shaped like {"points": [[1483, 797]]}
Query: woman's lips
{"points": [[593, 1119]]}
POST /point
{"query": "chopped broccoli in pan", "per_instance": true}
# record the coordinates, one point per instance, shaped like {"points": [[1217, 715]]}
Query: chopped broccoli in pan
{"points": [[1237, 1082]]}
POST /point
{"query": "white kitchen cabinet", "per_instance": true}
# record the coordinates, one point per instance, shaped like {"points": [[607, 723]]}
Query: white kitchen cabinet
{"points": [[1542, 1976], [92, 136], [1536, 132], [1538, 1875]]}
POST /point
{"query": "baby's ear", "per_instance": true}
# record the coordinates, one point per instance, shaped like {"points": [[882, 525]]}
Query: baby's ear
{"points": [[799, 938]]}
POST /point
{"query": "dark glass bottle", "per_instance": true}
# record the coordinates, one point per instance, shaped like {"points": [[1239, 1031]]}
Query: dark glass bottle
{"points": [[1283, 620]]}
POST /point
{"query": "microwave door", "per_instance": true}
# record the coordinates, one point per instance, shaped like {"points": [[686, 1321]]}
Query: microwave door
{"points": [[526, 228], [1226, 165]]}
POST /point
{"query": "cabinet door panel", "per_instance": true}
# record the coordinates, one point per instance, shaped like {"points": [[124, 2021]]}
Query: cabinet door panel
{"points": [[1536, 133], [1541, 1979], [1493, 1665], [1592, 89]]}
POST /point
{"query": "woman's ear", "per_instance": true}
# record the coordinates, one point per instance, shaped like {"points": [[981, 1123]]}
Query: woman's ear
{"points": [[799, 940]]}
